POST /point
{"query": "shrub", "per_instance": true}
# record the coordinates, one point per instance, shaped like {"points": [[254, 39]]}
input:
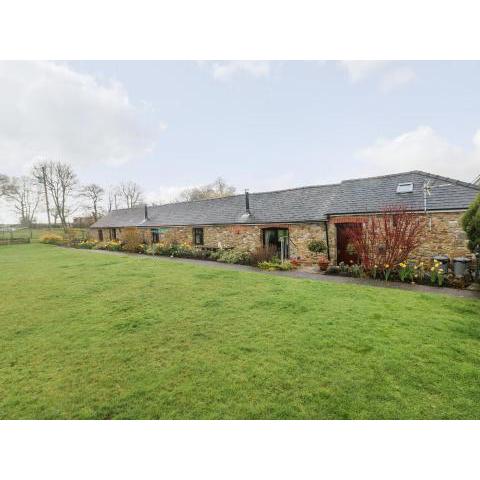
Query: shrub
{"points": [[387, 238], [131, 241], [52, 239], [163, 249], [153, 249], [234, 256], [215, 254], [113, 246], [87, 244], [287, 265], [471, 224], [73, 236], [264, 254], [356, 270], [267, 265], [275, 266], [141, 248], [317, 246], [333, 270]]}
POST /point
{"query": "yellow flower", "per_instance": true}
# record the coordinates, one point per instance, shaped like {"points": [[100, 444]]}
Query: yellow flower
{"points": [[432, 269]]}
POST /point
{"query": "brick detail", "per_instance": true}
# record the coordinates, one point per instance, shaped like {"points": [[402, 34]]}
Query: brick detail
{"points": [[350, 219]]}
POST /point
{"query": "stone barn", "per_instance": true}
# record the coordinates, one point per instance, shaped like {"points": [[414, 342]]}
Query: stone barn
{"points": [[290, 219]]}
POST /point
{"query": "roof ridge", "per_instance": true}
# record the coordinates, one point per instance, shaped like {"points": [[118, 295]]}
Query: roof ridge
{"points": [[381, 176], [242, 194], [418, 172], [450, 179], [297, 188]]}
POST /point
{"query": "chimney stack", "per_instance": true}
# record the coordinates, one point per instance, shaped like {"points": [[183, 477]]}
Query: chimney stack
{"points": [[146, 212], [247, 202]]}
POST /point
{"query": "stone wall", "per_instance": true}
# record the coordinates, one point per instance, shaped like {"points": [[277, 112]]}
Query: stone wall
{"points": [[301, 235], [249, 237], [242, 237], [443, 235], [332, 242]]}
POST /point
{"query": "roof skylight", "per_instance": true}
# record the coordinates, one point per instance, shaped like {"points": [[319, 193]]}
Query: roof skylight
{"points": [[405, 187]]}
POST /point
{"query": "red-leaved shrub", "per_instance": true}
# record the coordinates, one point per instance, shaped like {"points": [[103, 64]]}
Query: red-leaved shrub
{"points": [[387, 238]]}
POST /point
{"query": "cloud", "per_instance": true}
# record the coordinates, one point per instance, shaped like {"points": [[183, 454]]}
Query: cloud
{"points": [[388, 75], [396, 78], [224, 71], [361, 69], [50, 110], [422, 149]]}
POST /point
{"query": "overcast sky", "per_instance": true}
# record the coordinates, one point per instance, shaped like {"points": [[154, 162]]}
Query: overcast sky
{"points": [[260, 125]]}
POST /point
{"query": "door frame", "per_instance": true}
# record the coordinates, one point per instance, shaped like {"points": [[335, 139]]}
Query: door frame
{"points": [[342, 254], [286, 253]]}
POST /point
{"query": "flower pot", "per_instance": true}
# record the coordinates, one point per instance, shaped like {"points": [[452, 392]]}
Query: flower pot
{"points": [[323, 264]]}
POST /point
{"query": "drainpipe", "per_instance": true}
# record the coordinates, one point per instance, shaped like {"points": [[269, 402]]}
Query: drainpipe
{"points": [[326, 236]]}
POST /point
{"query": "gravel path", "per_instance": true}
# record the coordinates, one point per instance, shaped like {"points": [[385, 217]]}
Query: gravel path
{"points": [[453, 292]]}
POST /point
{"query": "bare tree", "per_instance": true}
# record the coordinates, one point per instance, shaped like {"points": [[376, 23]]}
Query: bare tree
{"points": [[23, 193], [93, 195], [39, 172], [113, 198], [217, 189], [61, 181], [131, 193], [54, 215], [5, 185]]}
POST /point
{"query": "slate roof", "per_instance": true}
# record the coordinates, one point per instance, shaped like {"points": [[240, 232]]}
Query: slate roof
{"points": [[304, 204], [123, 217], [366, 195]]}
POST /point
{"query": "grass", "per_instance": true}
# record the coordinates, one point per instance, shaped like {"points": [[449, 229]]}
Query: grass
{"points": [[88, 335]]}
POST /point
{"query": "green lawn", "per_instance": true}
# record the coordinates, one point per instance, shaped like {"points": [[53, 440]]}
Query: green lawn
{"points": [[86, 335]]}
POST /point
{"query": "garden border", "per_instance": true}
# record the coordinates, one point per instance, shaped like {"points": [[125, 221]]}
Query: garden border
{"points": [[461, 293]]}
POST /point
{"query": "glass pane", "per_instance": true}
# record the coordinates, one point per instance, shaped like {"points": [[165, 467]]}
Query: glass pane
{"points": [[270, 237]]}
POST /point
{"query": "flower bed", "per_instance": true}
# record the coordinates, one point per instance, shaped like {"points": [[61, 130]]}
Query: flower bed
{"points": [[263, 258], [408, 271]]}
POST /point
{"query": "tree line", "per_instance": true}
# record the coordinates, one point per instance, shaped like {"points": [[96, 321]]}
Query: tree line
{"points": [[54, 189]]}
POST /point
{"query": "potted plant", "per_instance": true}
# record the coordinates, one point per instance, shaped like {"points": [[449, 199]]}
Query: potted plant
{"points": [[323, 263]]}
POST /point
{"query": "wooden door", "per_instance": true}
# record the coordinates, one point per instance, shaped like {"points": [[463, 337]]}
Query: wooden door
{"points": [[344, 254]]}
